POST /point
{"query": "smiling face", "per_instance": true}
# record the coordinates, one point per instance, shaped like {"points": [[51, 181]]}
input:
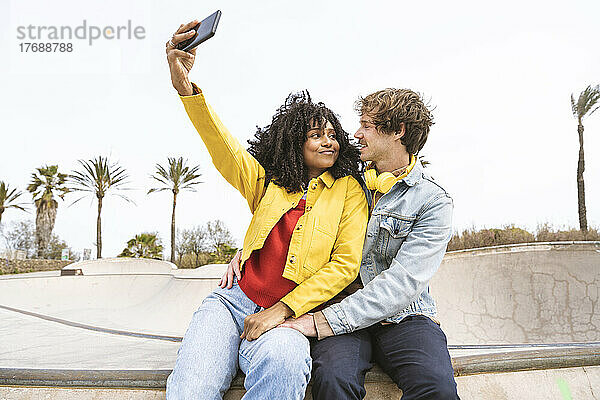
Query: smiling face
{"points": [[321, 148], [374, 145]]}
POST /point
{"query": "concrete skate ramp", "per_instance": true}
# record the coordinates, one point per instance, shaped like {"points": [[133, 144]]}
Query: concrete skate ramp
{"points": [[124, 265], [116, 328], [529, 293], [132, 295]]}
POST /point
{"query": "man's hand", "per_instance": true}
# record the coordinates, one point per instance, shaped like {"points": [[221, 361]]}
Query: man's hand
{"points": [[305, 324], [265, 320], [232, 268], [181, 62]]}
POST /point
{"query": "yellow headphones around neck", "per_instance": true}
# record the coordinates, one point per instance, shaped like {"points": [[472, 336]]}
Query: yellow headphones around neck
{"points": [[386, 180]]}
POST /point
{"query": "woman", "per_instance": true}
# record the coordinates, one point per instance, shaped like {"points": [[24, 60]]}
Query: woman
{"points": [[302, 247]]}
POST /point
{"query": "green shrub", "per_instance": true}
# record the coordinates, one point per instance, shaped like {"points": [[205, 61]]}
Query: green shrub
{"points": [[472, 238]]}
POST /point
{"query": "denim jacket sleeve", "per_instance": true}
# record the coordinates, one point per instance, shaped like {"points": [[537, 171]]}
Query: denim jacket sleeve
{"points": [[397, 287]]}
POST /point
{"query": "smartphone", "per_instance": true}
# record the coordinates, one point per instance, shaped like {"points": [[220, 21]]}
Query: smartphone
{"points": [[204, 31]]}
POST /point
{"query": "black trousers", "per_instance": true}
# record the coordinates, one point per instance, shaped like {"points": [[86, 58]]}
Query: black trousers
{"points": [[414, 353]]}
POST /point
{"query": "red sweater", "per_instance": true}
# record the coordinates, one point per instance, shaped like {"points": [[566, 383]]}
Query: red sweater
{"points": [[262, 281]]}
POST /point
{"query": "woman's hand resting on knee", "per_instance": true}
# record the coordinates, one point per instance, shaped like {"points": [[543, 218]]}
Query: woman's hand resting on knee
{"points": [[265, 320]]}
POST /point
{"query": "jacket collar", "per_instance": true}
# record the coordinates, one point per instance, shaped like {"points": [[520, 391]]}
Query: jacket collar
{"points": [[415, 175], [327, 179]]}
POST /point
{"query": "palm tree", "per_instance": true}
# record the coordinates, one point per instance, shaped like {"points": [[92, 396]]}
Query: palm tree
{"points": [[98, 176], [8, 198], [144, 245], [179, 176], [583, 107], [44, 183]]}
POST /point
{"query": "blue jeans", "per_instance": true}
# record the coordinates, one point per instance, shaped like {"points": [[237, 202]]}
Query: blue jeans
{"points": [[277, 365], [414, 353]]}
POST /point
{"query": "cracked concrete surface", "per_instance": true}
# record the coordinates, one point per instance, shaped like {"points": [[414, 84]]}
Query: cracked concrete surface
{"points": [[520, 294]]}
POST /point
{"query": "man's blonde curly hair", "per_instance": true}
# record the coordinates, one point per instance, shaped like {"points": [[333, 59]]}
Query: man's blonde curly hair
{"points": [[390, 107]]}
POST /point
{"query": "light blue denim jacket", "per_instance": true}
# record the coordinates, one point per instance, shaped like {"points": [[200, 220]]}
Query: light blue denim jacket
{"points": [[405, 242]]}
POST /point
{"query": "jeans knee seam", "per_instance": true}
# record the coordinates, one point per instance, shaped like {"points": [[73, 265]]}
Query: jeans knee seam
{"points": [[249, 360]]}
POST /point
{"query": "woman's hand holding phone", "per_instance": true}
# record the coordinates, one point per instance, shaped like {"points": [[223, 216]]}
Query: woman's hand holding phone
{"points": [[181, 62]]}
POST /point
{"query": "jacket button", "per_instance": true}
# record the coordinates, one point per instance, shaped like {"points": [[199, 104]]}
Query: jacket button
{"points": [[308, 208], [299, 227], [292, 259], [314, 186]]}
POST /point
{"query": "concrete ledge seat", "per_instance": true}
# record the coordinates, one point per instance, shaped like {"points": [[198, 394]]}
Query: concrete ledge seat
{"points": [[509, 361], [140, 379]]}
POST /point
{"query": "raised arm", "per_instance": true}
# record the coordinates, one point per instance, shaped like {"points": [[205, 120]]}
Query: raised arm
{"points": [[236, 165], [230, 158]]}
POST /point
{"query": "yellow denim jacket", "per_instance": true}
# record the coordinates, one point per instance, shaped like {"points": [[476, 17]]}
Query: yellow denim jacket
{"points": [[326, 246]]}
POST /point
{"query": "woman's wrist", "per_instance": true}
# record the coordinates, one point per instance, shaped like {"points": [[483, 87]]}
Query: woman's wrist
{"points": [[283, 308], [185, 89], [183, 85]]}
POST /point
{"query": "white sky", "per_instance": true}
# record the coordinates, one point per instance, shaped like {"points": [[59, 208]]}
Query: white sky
{"points": [[500, 75]]}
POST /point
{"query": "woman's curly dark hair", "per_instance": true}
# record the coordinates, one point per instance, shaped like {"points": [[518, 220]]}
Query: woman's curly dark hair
{"points": [[278, 146]]}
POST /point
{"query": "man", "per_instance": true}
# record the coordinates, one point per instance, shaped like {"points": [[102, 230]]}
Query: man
{"points": [[391, 319]]}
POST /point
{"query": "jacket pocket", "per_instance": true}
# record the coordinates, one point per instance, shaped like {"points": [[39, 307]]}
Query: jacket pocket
{"points": [[319, 252], [392, 233]]}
